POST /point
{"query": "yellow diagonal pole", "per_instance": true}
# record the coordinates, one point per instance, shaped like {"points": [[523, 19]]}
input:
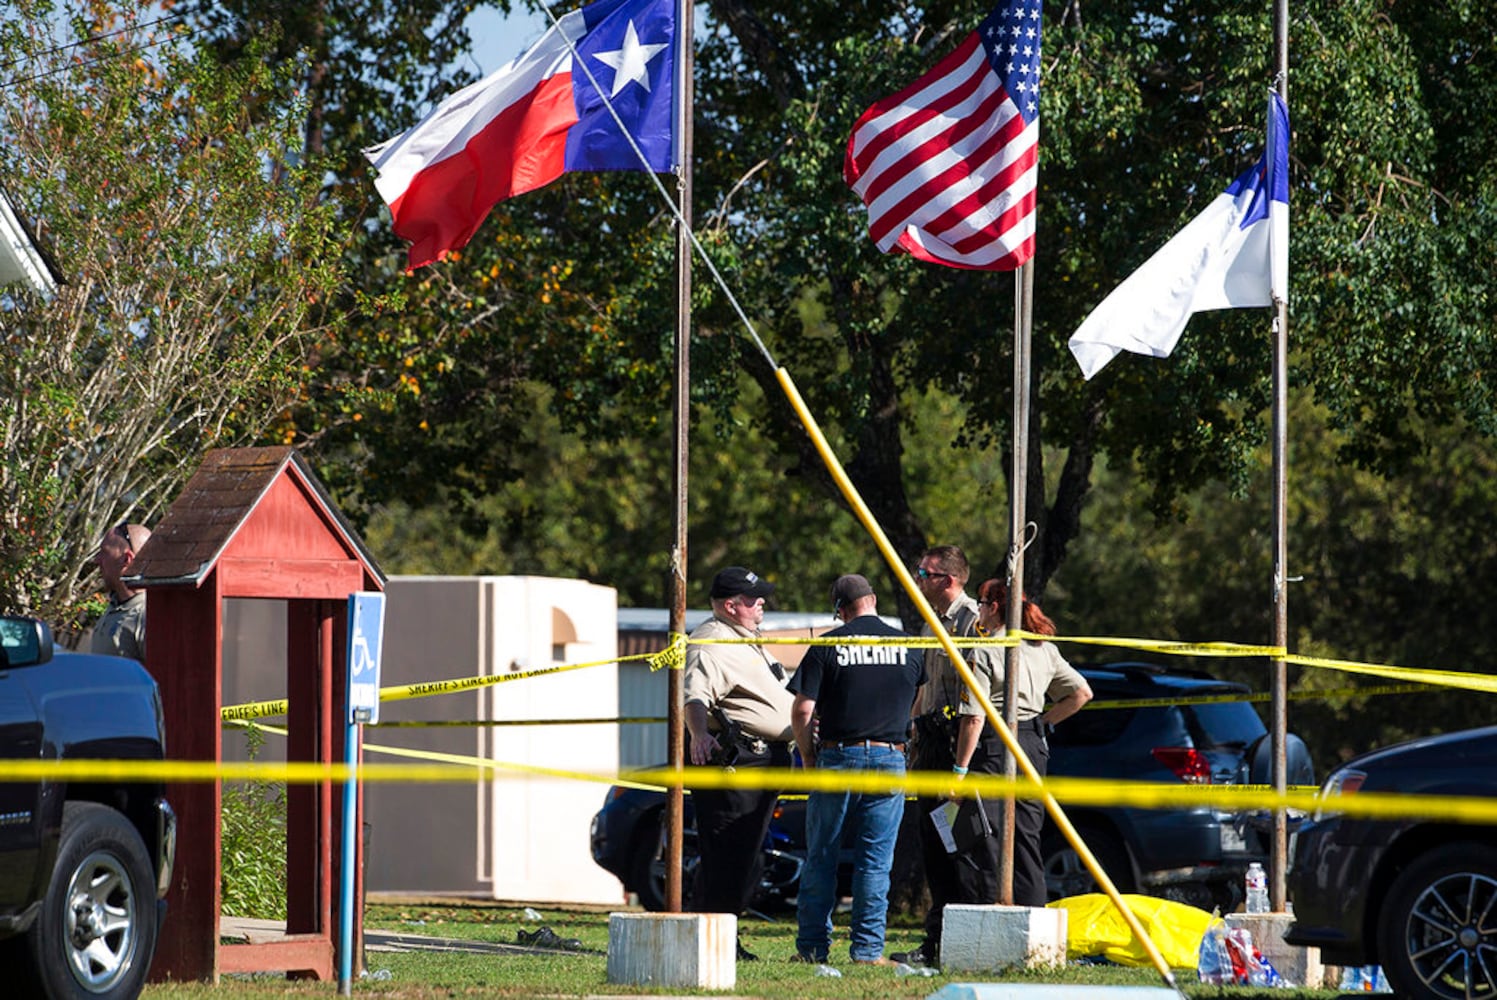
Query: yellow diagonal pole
{"points": [[850, 493]]}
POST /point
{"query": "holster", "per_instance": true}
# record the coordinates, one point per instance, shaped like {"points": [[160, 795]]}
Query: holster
{"points": [[729, 739], [933, 739]]}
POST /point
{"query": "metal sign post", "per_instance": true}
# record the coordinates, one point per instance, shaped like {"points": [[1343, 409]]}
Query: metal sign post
{"points": [[366, 632]]}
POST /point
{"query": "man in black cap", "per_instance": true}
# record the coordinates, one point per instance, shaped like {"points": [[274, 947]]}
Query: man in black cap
{"points": [[860, 697], [737, 715]]}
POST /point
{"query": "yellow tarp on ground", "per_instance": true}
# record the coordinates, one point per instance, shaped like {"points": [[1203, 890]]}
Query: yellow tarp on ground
{"points": [[1094, 927]]}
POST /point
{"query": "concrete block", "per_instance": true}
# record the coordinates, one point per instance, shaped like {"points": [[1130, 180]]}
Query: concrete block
{"points": [[1050, 991], [676, 950], [1300, 966], [992, 938]]}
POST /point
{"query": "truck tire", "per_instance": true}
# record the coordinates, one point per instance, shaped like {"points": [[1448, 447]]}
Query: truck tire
{"points": [[96, 933]]}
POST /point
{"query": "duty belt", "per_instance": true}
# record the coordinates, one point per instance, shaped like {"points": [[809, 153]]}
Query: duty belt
{"points": [[754, 745]]}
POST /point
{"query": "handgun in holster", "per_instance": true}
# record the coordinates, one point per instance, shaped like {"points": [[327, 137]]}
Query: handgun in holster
{"points": [[729, 739]]}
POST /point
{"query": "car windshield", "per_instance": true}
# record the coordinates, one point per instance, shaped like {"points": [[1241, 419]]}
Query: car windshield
{"points": [[1227, 725]]}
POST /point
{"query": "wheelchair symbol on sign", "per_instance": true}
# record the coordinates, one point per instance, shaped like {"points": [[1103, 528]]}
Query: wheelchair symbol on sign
{"points": [[361, 659]]}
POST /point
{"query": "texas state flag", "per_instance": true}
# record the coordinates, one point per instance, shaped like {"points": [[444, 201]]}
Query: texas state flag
{"points": [[529, 122]]}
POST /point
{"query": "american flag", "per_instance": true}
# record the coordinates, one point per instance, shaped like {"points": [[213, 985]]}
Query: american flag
{"points": [[948, 166]]}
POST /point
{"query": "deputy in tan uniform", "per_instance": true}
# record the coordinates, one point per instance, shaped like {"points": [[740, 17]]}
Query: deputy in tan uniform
{"points": [[737, 715], [1044, 676], [942, 576], [122, 629]]}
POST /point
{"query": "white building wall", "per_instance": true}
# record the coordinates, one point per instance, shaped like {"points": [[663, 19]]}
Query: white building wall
{"points": [[522, 835], [540, 822]]}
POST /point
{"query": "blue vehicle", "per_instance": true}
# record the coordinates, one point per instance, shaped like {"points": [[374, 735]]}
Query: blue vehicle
{"points": [[628, 839], [1145, 724], [1414, 895], [1195, 856]]}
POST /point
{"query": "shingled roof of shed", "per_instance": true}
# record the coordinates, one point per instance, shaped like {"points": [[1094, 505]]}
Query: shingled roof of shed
{"points": [[216, 501]]}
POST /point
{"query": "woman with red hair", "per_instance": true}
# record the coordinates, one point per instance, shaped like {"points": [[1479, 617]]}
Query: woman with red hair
{"points": [[1044, 676]]}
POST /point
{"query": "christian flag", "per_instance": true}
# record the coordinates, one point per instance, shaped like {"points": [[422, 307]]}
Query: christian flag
{"points": [[948, 166], [1235, 254], [529, 122]]}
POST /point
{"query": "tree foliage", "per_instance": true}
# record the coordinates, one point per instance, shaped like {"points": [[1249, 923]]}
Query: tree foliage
{"points": [[1383, 570], [1149, 109], [194, 251]]}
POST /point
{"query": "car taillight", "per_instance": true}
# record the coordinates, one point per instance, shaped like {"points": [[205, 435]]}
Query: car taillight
{"points": [[1346, 781], [1188, 763]]}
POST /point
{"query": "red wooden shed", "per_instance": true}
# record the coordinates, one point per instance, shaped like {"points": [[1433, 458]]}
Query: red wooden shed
{"points": [[252, 523]]}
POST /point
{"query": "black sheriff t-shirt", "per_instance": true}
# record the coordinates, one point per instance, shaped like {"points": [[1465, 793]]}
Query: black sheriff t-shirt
{"points": [[862, 692]]}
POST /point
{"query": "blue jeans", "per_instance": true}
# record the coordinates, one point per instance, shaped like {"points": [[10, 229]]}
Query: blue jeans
{"points": [[874, 820]]}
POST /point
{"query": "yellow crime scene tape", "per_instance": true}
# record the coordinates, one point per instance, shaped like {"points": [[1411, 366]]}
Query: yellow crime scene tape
{"points": [[438, 767], [426, 689], [444, 768], [474, 723], [1215, 649], [674, 656]]}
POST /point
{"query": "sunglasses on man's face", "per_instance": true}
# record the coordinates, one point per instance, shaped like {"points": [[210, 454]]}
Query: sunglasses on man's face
{"points": [[122, 532], [926, 574]]}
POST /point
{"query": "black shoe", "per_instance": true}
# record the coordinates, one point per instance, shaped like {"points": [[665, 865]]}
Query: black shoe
{"points": [[545, 937], [916, 959], [744, 955], [801, 956]]}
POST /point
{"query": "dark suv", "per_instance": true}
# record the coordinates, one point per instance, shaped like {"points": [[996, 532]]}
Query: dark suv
{"points": [[1418, 895], [1148, 723], [84, 862], [1144, 725]]}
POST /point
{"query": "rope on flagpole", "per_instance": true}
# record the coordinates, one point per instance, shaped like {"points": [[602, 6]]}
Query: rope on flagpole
{"points": [[665, 197]]}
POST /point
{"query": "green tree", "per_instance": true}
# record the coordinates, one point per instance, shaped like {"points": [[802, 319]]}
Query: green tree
{"points": [[1384, 571], [592, 509], [194, 251], [1148, 109]]}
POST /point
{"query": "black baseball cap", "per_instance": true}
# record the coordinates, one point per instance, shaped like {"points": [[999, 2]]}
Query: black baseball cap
{"points": [[735, 581], [849, 588]]}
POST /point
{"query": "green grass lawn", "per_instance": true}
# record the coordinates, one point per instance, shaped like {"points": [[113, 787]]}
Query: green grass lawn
{"points": [[431, 975]]}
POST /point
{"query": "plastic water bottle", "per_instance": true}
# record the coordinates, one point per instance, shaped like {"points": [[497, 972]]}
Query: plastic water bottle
{"points": [[1256, 883], [1364, 979]]}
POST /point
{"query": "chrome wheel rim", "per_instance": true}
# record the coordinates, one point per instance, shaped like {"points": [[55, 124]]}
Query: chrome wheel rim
{"points": [[100, 923], [1451, 937]]}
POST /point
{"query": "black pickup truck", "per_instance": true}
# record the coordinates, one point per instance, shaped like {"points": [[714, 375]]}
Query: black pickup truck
{"points": [[84, 863]]}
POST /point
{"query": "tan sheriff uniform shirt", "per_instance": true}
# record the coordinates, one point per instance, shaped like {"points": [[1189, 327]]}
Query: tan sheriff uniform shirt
{"points": [[942, 686], [741, 680], [122, 629], [1044, 674]]}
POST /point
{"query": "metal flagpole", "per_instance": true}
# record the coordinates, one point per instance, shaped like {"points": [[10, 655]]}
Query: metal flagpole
{"points": [[1018, 489], [683, 421], [1279, 848], [676, 692]]}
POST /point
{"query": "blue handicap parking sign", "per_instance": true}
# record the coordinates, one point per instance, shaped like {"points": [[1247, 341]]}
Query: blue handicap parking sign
{"points": [[366, 630]]}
